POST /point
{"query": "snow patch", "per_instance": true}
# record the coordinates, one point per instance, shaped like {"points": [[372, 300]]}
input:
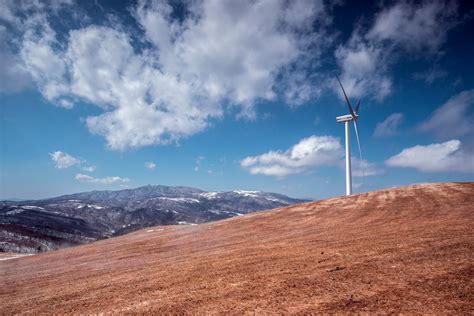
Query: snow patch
{"points": [[97, 207], [247, 193], [277, 200], [15, 211], [186, 223], [210, 195], [31, 207], [185, 200]]}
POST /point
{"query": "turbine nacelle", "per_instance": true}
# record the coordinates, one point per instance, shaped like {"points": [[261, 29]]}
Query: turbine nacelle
{"points": [[345, 118]]}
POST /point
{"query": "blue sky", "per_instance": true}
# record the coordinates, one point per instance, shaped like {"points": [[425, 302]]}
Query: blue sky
{"points": [[224, 95]]}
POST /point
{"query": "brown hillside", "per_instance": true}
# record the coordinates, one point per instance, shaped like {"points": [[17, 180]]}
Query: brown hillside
{"points": [[408, 250]]}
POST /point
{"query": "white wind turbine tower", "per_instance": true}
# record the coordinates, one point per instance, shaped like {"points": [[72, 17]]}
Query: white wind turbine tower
{"points": [[346, 119]]}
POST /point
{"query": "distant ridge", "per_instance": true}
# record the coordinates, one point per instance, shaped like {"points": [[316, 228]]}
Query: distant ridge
{"points": [[15, 200], [53, 223]]}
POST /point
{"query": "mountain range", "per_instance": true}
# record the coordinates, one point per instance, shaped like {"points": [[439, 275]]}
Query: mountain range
{"points": [[49, 224]]}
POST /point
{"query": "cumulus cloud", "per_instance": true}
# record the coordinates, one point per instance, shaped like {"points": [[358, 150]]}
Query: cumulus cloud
{"points": [[12, 12], [454, 118], [43, 63], [439, 157], [13, 77], [26, 51], [307, 153], [249, 50], [7, 12], [389, 126], [142, 105], [220, 54], [170, 79], [107, 180], [364, 70], [410, 28], [150, 165], [63, 160], [234, 50], [414, 26]]}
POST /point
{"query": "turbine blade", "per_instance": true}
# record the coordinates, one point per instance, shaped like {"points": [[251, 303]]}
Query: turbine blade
{"points": [[347, 99], [356, 110], [358, 144]]}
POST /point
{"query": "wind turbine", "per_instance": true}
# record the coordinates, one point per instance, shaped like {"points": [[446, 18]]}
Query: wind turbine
{"points": [[346, 119]]}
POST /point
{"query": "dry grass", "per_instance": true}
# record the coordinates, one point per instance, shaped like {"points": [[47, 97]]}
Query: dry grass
{"points": [[405, 250]]}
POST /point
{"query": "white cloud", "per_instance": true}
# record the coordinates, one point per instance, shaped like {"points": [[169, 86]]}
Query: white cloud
{"points": [[26, 51], [389, 126], [454, 118], [13, 77], [63, 160], [414, 26], [441, 157], [403, 28], [7, 12], [307, 153], [18, 14], [222, 53], [363, 68], [142, 105], [107, 180], [232, 50], [150, 165], [46, 66], [219, 55]]}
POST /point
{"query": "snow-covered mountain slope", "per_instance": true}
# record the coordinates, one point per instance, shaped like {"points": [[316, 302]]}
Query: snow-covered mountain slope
{"points": [[41, 225]]}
